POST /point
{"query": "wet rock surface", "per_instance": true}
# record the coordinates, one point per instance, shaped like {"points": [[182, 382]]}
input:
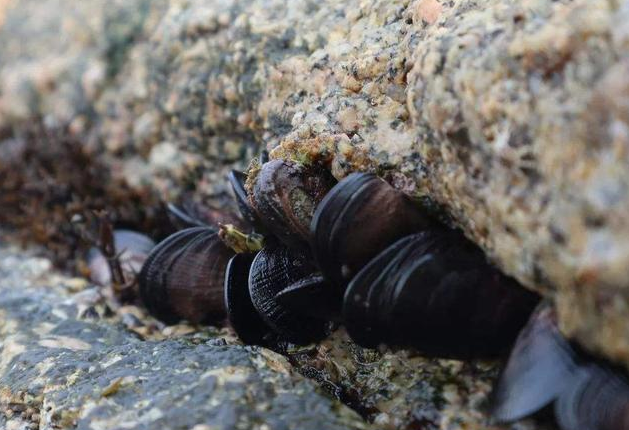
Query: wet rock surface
{"points": [[66, 361], [70, 357]]}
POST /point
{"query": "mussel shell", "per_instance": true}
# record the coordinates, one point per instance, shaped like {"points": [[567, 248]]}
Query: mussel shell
{"points": [[132, 249], [596, 398], [540, 367], [436, 292], [359, 300], [285, 195], [190, 213], [243, 317], [312, 296], [181, 219], [324, 220], [237, 180], [544, 367], [184, 275], [151, 279], [275, 268], [357, 219]]}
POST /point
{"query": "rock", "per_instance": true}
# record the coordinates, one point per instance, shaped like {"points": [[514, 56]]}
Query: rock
{"points": [[401, 389], [524, 109], [62, 365], [511, 115], [70, 357]]}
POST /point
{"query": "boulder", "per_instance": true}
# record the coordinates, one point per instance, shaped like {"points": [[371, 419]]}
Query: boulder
{"points": [[510, 115], [67, 361]]}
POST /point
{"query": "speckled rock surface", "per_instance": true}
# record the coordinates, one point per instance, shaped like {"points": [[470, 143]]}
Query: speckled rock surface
{"points": [[403, 390], [511, 114], [70, 357], [66, 361]]}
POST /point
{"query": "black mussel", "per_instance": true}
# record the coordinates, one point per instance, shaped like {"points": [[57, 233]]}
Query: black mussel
{"points": [[275, 268], [181, 219], [191, 213], [285, 195], [545, 368], [183, 277], [356, 302], [313, 296], [152, 277], [357, 219], [131, 248], [435, 291], [237, 180], [242, 315], [263, 157]]}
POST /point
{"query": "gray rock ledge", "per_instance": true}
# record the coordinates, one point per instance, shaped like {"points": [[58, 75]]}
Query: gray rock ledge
{"points": [[64, 363]]}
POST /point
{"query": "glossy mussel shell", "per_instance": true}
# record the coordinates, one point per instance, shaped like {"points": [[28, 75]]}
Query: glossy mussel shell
{"points": [[183, 277], [357, 219], [242, 315], [435, 291], [285, 195], [191, 213], [274, 269], [237, 180]]}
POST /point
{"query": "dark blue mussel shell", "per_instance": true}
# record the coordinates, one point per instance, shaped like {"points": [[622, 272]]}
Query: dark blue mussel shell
{"points": [[358, 218], [435, 291], [242, 315], [312, 296], [237, 180], [182, 218]]}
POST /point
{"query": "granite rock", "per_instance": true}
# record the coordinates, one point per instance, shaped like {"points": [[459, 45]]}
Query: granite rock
{"points": [[509, 114]]}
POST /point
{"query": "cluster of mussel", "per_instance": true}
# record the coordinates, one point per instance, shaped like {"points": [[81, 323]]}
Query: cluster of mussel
{"points": [[362, 254], [356, 252]]}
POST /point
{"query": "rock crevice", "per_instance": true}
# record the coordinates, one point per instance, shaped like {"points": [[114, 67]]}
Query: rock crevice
{"points": [[510, 114]]}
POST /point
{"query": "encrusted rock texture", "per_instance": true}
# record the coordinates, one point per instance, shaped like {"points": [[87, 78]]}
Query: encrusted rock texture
{"points": [[511, 115], [68, 361], [72, 357]]}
